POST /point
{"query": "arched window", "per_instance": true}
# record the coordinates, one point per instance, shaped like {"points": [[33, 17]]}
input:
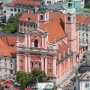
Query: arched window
{"points": [[68, 18], [41, 17], [35, 43]]}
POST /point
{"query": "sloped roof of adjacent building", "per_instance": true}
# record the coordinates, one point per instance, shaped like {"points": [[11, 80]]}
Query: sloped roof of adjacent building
{"points": [[24, 2], [8, 45], [33, 17], [28, 17]]}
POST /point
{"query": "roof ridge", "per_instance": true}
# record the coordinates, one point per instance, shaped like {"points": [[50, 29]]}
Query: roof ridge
{"points": [[61, 47], [7, 40], [3, 41], [87, 19]]}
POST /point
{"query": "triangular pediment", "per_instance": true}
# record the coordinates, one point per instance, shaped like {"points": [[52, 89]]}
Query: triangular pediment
{"points": [[37, 31], [85, 76]]}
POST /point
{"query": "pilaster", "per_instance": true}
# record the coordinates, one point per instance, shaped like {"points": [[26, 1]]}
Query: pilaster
{"points": [[42, 63], [29, 65], [29, 39], [26, 63], [54, 66], [18, 63], [46, 65], [45, 42], [42, 42], [25, 39]]}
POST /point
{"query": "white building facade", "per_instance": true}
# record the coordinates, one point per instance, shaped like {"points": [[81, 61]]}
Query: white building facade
{"points": [[83, 24], [15, 7], [7, 66]]}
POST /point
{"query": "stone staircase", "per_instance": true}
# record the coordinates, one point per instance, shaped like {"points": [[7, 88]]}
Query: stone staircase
{"points": [[66, 79]]}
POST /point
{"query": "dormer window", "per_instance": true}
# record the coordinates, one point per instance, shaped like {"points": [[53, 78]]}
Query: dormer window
{"points": [[28, 18], [41, 17], [35, 43], [68, 18]]}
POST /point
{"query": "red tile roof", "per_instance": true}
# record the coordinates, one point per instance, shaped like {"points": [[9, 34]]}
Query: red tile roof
{"points": [[8, 46], [31, 2], [33, 17], [54, 29], [10, 40], [25, 16]]}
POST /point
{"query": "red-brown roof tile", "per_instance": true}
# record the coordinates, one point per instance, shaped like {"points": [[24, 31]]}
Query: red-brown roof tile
{"points": [[25, 16], [31, 2], [8, 46], [54, 29]]}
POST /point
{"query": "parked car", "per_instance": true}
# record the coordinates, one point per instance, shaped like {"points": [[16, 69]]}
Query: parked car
{"points": [[16, 84], [7, 83], [12, 80], [3, 78]]}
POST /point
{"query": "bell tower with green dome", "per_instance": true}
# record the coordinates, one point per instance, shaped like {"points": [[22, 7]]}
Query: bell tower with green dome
{"points": [[70, 28], [70, 25], [43, 15]]}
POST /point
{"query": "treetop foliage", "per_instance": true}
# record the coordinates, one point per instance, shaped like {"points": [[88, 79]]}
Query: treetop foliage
{"points": [[12, 23], [87, 5]]}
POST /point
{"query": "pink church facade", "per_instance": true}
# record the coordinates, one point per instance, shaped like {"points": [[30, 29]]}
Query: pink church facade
{"points": [[51, 47]]}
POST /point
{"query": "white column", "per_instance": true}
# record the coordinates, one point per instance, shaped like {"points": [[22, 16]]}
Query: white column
{"points": [[29, 39], [46, 65], [25, 39], [42, 42], [26, 64], [45, 42], [29, 65], [54, 66], [18, 64], [42, 64]]}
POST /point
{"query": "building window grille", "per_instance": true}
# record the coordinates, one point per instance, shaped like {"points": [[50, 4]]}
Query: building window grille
{"points": [[18, 10], [35, 43], [5, 65], [15, 9], [87, 85], [11, 60], [11, 65], [11, 9], [5, 59], [20, 24], [39, 65], [32, 64]]}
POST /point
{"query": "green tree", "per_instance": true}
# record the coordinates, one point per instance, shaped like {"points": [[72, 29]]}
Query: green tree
{"points": [[87, 5], [40, 75], [54, 86], [21, 78], [12, 23], [30, 78]]}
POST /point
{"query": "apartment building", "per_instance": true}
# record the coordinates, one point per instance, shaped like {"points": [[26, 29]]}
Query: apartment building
{"points": [[19, 5], [8, 62]]}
